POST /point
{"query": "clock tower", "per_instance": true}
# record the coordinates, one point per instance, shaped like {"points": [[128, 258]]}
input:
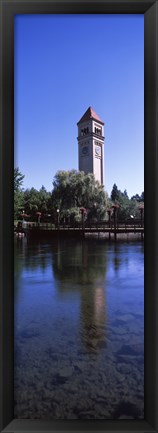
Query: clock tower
{"points": [[91, 144]]}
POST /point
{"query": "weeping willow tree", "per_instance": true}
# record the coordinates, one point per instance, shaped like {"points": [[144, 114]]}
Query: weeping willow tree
{"points": [[74, 189]]}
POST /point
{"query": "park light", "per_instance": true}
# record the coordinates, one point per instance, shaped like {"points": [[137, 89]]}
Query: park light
{"points": [[39, 216], [141, 209], [109, 211], [24, 215], [115, 206], [83, 211], [58, 218]]}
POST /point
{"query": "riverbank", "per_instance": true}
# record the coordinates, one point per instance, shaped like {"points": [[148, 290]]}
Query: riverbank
{"points": [[105, 234], [129, 237]]}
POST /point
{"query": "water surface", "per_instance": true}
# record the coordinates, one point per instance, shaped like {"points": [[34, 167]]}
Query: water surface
{"points": [[79, 330]]}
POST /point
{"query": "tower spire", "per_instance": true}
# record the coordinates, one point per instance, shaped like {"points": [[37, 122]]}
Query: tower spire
{"points": [[90, 114]]}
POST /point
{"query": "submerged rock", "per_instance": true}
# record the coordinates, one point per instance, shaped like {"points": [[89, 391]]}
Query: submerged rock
{"points": [[126, 409], [65, 372]]}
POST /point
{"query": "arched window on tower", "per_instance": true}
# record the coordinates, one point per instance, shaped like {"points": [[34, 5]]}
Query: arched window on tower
{"points": [[98, 130], [85, 131]]}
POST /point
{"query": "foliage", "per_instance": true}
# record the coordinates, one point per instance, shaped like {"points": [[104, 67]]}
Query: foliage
{"points": [[18, 179], [115, 193], [37, 201], [18, 192], [137, 197], [31, 200], [74, 189], [127, 207]]}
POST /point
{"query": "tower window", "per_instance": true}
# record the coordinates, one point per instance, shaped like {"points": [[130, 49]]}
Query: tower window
{"points": [[98, 131], [85, 131]]}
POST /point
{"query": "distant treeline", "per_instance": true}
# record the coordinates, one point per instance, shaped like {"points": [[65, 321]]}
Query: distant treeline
{"points": [[72, 190]]}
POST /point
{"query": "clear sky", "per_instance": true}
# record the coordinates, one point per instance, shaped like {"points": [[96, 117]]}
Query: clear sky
{"points": [[63, 65]]}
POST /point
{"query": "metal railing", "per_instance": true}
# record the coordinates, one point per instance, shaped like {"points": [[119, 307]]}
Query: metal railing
{"points": [[90, 225]]}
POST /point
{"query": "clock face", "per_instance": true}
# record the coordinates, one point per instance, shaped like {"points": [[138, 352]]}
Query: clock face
{"points": [[85, 150], [97, 150]]}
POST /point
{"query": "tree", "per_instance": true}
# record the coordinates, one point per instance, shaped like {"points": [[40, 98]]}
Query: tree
{"points": [[125, 193], [37, 201], [18, 192], [127, 207], [138, 197], [115, 193], [31, 202], [18, 179], [74, 189], [45, 200]]}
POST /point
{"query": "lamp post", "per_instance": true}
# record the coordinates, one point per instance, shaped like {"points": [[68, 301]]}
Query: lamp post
{"points": [[109, 214], [83, 212], [58, 218], [39, 216], [24, 223], [141, 208], [115, 208]]}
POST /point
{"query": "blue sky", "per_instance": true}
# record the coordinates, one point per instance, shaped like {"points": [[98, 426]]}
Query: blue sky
{"points": [[63, 65]]}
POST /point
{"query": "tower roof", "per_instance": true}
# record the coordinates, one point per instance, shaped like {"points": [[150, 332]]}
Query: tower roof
{"points": [[90, 114]]}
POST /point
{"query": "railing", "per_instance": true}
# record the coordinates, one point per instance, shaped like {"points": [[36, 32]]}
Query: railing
{"points": [[100, 225]]}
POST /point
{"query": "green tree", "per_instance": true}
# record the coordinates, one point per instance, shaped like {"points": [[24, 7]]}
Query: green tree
{"points": [[31, 202], [74, 189], [115, 193], [125, 193], [18, 179], [127, 207], [37, 201], [45, 201], [18, 192], [137, 197]]}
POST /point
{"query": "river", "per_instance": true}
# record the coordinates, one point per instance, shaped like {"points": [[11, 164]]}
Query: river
{"points": [[79, 329]]}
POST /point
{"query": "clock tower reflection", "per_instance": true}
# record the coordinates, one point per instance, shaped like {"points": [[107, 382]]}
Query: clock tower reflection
{"points": [[83, 273]]}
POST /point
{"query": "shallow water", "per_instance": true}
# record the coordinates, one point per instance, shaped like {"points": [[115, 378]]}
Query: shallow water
{"points": [[79, 330]]}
